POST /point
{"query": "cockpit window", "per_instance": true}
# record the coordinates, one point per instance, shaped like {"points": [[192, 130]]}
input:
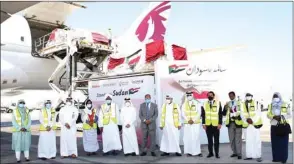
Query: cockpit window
{"points": [[4, 82], [22, 38]]}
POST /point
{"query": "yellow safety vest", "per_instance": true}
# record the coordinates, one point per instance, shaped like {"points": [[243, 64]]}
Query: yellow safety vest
{"points": [[107, 115], [251, 114], [283, 111], [238, 122], [175, 115], [17, 116], [45, 119], [211, 115], [191, 112], [87, 126]]}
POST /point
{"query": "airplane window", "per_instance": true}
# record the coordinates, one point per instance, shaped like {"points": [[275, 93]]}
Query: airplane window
{"points": [[4, 82], [14, 81], [22, 38]]}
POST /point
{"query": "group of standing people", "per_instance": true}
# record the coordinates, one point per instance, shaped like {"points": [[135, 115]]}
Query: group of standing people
{"points": [[191, 116]]}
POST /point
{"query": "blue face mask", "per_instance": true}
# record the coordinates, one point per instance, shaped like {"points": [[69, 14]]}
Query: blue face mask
{"points": [[147, 101], [48, 106], [108, 101], [21, 105]]}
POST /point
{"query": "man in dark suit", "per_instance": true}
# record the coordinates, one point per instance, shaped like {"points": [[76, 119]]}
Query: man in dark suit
{"points": [[148, 114]]}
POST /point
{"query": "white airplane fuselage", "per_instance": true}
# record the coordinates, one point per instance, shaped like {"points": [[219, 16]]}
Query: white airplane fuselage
{"points": [[29, 72], [18, 67]]}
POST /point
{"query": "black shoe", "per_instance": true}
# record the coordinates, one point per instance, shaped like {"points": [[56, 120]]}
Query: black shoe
{"points": [[210, 155], [133, 154], [43, 159], [114, 153], [127, 155], [164, 154], [259, 159], [217, 156], [199, 155], [239, 157], [27, 160], [189, 155], [275, 161], [93, 153], [105, 154], [18, 161], [178, 154], [153, 154], [52, 158], [234, 155], [248, 159], [88, 154], [143, 154]]}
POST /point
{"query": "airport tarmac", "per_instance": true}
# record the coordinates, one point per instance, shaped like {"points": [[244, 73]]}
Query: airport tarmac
{"points": [[8, 156]]}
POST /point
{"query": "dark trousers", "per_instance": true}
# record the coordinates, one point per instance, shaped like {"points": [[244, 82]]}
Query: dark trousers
{"points": [[212, 134], [279, 146]]}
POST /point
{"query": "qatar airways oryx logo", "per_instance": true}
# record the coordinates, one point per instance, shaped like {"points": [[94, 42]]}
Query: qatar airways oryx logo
{"points": [[157, 22], [125, 92]]}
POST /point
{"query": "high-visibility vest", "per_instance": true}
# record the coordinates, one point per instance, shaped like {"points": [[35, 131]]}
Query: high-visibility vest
{"points": [[211, 114], [191, 112], [250, 114], [283, 111], [45, 119], [238, 122], [17, 116], [175, 115], [107, 115], [87, 126]]}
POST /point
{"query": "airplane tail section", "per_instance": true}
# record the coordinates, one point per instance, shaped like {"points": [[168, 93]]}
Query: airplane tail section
{"points": [[16, 34], [149, 26]]}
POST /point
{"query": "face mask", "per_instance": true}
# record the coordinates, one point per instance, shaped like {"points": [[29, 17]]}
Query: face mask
{"points": [[168, 101], [68, 103], [89, 106], [277, 99], [249, 98], [147, 100], [189, 98], [108, 101], [48, 106], [21, 105], [210, 98], [128, 104]]}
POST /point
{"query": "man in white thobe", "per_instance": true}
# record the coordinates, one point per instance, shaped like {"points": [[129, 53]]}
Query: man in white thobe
{"points": [[47, 139], [191, 112], [109, 119], [90, 118], [170, 124], [128, 117], [68, 140], [252, 121]]}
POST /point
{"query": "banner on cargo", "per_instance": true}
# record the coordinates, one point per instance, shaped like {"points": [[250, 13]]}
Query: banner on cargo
{"points": [[134, 87], [176, 77]]}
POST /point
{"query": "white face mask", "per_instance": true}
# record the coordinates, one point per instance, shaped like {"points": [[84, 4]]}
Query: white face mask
{"points": [[168, 101], [277, 99], [128, 104], [68, 103], [248, 98], [89, 106], [189, 98], [108, 101]]}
